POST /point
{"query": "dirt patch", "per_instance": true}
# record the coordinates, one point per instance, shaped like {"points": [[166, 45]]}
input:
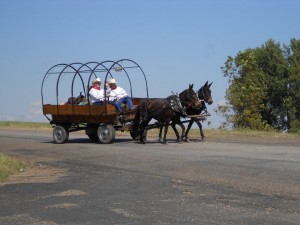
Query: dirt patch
{"points": [[24, 219], [69, 193], [62, 206], [37, 174]]}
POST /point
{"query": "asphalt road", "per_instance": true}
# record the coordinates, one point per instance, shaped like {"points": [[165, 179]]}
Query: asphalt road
{"points": [[218, 181]]}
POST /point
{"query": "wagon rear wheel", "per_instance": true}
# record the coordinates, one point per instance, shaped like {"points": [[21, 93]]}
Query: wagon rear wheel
{"points": [[106, 133], [60, 134]]}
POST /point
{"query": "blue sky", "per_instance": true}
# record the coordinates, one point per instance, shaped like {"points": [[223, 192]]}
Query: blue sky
{"points": [[175, 42]]}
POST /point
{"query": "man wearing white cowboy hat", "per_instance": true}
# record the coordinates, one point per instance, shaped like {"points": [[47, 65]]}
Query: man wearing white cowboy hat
{"points": [[96, 93], [118, 95]]}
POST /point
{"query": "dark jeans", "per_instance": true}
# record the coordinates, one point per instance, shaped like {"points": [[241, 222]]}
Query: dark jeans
{"points": [[98, 103], [125, 100]]}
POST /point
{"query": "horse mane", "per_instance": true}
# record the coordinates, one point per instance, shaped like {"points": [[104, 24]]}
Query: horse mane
{"points": [[176, 105]]}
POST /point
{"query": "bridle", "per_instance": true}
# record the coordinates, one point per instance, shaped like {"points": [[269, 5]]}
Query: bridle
{"points": [[205, 97]]}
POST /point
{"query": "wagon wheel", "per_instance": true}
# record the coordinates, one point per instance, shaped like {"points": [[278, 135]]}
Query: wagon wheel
{"points": [[60, 134], [106, 133]]}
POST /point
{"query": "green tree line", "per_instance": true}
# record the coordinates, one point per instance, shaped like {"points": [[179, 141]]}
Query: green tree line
{"points": [[264, 88]]}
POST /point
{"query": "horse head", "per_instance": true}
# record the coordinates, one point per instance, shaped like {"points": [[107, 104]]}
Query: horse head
{"points": [[189, 98], [204, 93]]}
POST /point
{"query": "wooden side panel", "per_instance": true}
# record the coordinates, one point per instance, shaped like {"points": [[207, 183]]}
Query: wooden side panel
{"points": [[79, 109], [50, 109], [112, 119], [89, 113]]}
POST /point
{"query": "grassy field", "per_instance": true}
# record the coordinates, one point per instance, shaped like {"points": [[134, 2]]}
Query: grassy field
{"points": [[17, 124]]}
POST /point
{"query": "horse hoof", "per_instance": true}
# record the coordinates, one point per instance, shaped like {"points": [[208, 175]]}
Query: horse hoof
{"points": [[187, 140], [164, 142]]}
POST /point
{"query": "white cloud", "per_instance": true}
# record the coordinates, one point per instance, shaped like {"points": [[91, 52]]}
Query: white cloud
{"points": [[35, 112], [37, 103], [221, 102]]}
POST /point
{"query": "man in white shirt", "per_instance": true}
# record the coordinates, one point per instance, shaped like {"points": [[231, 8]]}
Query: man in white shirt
{"points": [[118, 95], [96, 93]]}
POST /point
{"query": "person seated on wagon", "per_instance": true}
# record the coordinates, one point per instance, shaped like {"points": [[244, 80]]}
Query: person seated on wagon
{"points": [[96, 93], [118, 95]]}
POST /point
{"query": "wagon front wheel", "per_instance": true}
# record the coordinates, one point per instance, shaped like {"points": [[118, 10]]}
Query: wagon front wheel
{"points": [[60, 134], [106, 133]]}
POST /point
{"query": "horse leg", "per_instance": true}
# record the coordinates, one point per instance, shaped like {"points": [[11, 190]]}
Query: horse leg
{"points": [[200, 128], [187, 130], [141, 133], [160, 132], [167, 121], [173, 124], [182, 131], [144, 122]]}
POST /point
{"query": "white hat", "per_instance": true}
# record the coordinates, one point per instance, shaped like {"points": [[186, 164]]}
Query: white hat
{"points": [[97, 80], [112, 81]]}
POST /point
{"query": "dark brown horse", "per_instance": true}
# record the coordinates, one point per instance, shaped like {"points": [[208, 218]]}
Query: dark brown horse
{"points": [[164, 110], [189, 100], [204, 94]]}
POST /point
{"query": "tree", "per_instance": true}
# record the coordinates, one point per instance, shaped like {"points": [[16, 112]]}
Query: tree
{"points": [[264, 87], [293, 100]]}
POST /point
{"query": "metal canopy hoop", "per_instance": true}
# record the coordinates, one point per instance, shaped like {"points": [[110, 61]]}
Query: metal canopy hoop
{"points": [[82, 70], [120, 66]]}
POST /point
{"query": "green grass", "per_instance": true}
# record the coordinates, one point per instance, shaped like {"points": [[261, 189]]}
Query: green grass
{"points": [[10, 166], [17, 124]]}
